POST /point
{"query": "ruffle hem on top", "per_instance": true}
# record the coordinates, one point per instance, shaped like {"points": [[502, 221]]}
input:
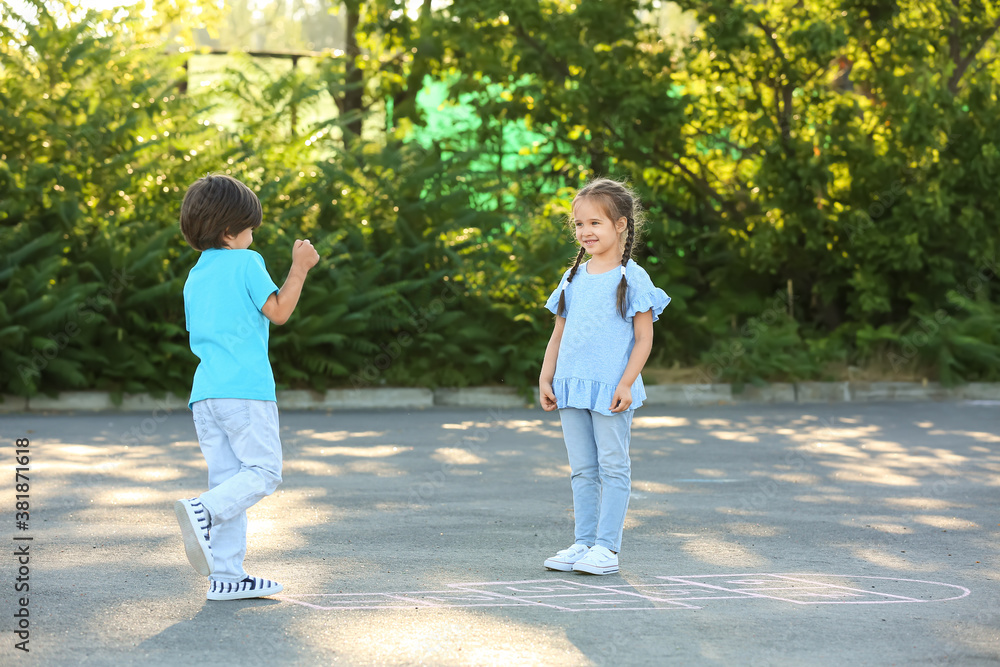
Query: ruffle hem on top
{"points": [[593, 395], [574, 392], [656, 301]]}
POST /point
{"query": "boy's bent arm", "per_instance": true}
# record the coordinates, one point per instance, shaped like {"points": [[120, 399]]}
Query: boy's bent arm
{"points": [[281, 304]]}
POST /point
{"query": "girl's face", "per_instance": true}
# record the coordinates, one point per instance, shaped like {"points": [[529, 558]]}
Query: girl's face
{"points": [[596, 232]]}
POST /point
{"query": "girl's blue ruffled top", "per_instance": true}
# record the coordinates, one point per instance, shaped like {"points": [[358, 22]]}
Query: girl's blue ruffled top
{"points": [[596, 342]]}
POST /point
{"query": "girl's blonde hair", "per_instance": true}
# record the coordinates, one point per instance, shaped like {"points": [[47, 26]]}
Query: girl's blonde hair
{"points": [[618, 201]]}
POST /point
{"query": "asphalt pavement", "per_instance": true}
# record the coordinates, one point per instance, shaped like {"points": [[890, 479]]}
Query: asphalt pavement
{"points": [[861, 534]]}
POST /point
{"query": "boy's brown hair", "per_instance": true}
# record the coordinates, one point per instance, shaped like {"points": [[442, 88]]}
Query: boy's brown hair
{"points": [[217, 205]]}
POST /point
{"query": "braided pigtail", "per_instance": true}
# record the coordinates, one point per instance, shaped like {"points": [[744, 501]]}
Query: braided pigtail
{"points": [[618, 201], [626, 255], [569, 279]]}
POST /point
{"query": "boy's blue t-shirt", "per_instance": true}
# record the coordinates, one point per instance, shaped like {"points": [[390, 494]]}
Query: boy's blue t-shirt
{"points": [[223, 297]]}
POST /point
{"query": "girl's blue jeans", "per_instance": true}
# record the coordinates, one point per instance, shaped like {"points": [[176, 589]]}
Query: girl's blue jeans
{"points": [[239, 439], [601, 473]]}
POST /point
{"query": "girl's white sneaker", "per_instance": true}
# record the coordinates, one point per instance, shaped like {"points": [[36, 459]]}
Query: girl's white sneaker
{"points": [[564, 560], [598, 560]]}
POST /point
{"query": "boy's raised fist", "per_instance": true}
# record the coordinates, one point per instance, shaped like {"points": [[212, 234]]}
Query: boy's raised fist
{"points": [[304, 254]]}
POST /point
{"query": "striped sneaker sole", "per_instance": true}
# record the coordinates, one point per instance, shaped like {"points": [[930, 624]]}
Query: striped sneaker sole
{"points": [[251, 587], [198, 551]]}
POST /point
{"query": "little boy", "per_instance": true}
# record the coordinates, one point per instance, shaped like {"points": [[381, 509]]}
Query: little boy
{"points": [[228, 299]]}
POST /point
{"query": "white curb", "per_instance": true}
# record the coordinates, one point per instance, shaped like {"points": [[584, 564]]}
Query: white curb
{"points": [[482, 397], [897, 391], [688, 394], [822, 392], [398, 398], [13, 404], [778, 392], [73, 401], [408, 398], [977, 391]]}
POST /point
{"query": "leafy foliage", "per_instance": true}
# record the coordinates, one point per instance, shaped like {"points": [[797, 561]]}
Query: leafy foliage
{"points": [[837, 152], [94, 141]]}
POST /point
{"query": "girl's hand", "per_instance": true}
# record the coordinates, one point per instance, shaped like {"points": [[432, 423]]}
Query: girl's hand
{"points": [[622, 399], [547, 397]]}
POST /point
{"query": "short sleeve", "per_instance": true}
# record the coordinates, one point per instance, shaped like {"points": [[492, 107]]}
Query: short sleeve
{"points": [[643, 295], [258, 281], [553, 302]]}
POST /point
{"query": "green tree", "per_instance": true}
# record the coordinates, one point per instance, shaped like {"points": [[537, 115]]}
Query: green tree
{"points": [[839, 153], [95, 140], [849, 137]]}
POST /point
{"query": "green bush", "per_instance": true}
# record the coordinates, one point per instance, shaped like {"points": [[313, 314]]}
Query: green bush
{"points": [[768, 352], [440, 242], [95, 141], [955, 344]]}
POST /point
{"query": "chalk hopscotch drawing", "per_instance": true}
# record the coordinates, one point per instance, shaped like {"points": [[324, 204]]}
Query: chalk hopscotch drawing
{"points": [[664, 593]]}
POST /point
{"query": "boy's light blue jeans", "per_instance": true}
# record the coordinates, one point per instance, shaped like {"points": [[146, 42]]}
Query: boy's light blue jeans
{"points": [[239, 439], [602, 473]]}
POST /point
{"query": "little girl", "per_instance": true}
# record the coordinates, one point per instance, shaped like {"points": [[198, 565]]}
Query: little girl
{"points": [[605, 309]]}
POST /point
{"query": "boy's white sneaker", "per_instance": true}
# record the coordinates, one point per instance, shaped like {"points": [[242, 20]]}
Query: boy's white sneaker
{"points": [[598, 560], [251, 587], [563, 560], [193, 519]]}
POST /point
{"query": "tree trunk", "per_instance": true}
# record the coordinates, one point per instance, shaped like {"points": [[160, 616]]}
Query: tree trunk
{"points": [[350, 100]]}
